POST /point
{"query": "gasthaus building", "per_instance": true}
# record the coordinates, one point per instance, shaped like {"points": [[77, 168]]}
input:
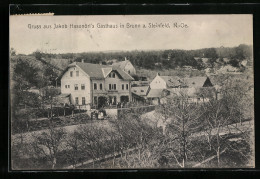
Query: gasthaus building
{"points": [[87, 85]]}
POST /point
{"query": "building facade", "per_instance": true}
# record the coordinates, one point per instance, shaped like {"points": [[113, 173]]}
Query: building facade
{"points": [[95, 85]]}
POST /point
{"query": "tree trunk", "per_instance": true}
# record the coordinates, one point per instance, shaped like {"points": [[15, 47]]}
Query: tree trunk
{"points": [[139, 154], [51, 110], [54, 163], [208, 137], [114, 160], [27, 125], [218, 156], [218, 150], [126, 154]]}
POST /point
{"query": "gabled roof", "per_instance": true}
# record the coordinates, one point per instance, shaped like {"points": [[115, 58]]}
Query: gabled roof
{"points": [[93, 70], [172, 81], [106, 71], [155, 93], [96, 71], [140, 90], [121, 64], [195, 82]]}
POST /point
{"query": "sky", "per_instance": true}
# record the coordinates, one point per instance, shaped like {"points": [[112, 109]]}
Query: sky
{"points": [[202, 31]]}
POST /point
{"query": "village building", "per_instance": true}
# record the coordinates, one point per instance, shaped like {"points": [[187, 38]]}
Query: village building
{"points": [[162, 86], [93, 85], [139, 93], [126, 66], [228, 69]]}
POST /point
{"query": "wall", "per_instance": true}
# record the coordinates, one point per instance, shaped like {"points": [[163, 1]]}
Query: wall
{"points": [[119, 91], [81, 79], [158, 83], [131, 68]]}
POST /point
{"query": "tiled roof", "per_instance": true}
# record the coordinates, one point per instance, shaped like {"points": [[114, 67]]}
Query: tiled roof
{"points": [[195, 82], [171, 81], [155, 93], [123, 74], [140, 90], [63, 98], [120, 64], [96, 71]]}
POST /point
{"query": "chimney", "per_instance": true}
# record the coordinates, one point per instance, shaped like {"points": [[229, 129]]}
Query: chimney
{"points": [[100, 63], [82, 61], [125, 59]]}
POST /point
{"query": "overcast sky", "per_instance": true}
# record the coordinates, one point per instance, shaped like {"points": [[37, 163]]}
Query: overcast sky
{"points": [[203, 31]]}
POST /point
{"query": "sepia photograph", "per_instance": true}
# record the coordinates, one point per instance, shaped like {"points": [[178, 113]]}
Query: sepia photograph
{"points": [[131, 91]]}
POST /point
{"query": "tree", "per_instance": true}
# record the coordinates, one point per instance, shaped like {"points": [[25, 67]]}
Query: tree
{"points": [[48, 144], [49, 99], [74, 148], [93, 140], [184, 120], [12, 52]]}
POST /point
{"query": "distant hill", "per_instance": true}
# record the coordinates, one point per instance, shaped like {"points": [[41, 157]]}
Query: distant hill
{"points": [[152, 59]]}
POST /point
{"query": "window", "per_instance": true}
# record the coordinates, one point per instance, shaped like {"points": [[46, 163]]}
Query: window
{"points": [[68, 86], [76, 87], [82, 86], [71, 74], [77, 73], [128, 71], [109, 75], [123, 86], [83, 101], [76, 100], [126, 87], [113, 75], [112, 86], [95, 86], [100, 86], [142, 90], [65, 86]]}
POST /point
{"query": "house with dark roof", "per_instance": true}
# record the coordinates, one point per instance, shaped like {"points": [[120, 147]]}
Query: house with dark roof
{"points": [[126, 66], [97, 85], [162, 86], [139, 93]]}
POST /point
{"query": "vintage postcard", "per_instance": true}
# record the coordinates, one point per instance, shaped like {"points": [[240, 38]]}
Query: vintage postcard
{"points": [[131, 91]]}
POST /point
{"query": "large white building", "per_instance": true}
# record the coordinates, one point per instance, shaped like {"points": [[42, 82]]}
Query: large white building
{"points": [[88, 85]]}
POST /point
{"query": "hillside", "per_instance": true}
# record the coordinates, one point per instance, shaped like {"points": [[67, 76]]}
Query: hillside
{"points": [[163, 59]]}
